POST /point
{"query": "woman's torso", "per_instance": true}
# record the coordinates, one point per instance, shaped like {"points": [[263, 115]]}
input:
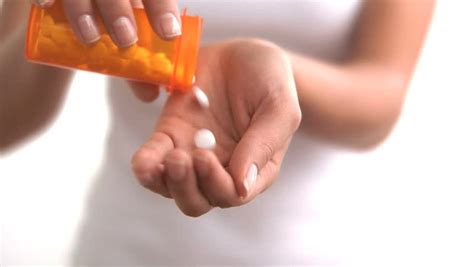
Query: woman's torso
{"points": [[126, 224]]}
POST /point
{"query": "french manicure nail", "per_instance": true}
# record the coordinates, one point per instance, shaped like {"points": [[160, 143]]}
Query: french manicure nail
{"points": [[42, 3], [125, 32], [170, 25], [89, 31], [250, 179]]}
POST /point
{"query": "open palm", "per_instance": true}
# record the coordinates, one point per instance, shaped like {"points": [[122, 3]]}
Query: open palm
{"points": [[253, 114]]}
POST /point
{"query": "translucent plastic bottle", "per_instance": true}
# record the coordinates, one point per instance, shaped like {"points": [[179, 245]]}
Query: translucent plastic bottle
{"points": [[51, 41]]}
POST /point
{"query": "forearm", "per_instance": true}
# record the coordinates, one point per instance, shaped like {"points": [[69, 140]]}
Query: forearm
{"points": [[30, 94], [357, 102], [350, 104]]}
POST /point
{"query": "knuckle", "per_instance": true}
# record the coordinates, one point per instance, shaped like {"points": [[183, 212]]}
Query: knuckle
{"points": [[296, 117], [291, 115], [266, 149]]}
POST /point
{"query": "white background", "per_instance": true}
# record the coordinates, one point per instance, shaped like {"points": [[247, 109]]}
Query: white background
{"points": [[414, 195]]}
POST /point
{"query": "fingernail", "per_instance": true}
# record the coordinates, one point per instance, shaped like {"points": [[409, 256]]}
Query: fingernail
{"points": [[89, 31], [42, 3], [170, 25], [176, 170], [125, 32], [250, 179]]}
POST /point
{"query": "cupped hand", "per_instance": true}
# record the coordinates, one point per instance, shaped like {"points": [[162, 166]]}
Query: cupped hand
{"points": [[253, 114], [118, 18]]}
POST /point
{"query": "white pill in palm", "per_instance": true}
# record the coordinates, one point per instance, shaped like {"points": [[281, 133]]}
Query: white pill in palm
{"points": [[201, 97], [205, 139]]}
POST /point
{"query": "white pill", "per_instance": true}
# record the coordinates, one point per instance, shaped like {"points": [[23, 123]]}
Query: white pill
{"points": [[205, 139], [201, 97]]}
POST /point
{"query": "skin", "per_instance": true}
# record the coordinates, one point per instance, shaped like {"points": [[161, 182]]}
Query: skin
{"points": [[256, 105], [247, 106], [111, 10]]}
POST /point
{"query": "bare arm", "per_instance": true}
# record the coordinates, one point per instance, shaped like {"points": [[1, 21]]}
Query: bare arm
{"points": [[356, 103], [30, 94]]}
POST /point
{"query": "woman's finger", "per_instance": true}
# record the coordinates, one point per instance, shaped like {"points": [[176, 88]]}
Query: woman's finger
{"points": [[148, 163], [269, 132], [82, 19], [119, 20], [215, 182], [144, 91], [182, 184], [164, 17]]}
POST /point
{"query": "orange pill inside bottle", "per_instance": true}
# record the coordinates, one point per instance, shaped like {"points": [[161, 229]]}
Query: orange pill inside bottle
{"points": [[50, 40]]}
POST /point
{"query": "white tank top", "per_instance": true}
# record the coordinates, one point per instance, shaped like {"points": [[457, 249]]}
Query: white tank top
{"points": [[125, 224]]}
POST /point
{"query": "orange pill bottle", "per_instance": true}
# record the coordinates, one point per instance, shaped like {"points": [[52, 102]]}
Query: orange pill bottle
{"points": [[50, 40]]}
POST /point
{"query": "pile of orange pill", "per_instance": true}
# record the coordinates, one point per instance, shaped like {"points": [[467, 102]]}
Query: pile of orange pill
{"points": [[57, 44]]}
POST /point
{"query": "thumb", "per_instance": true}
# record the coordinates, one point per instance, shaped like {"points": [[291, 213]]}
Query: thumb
{"points": [[256, 159]]}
